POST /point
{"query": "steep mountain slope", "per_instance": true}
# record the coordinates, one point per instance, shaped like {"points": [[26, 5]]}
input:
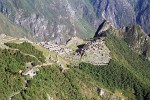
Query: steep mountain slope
{"points": [[123, 12], [125, 76], [50, 81], [112, 65], [127, 71], [138, 40], [118, 12], [62, 19], [10, 28], [50, 19], [133, 35], [143, 14]]}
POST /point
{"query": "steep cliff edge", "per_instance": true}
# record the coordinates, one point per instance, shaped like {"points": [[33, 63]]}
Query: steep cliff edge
{"points": [[108, 69], [122, 13], [50, 19], [133, 35], [62, 19], [137, 40]]}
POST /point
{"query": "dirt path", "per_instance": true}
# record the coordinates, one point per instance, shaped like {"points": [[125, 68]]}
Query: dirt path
{"points": [[16, 93]]}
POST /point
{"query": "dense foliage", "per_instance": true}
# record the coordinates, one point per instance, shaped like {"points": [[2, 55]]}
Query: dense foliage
{"points": [[11, 61], [27, 48], [123, 55], [137, 65], [50, 81], [115, 77], [126, 71]]}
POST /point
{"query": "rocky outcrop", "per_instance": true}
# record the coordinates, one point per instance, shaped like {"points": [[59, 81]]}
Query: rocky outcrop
{"points": [[143, 14], [122, 13], [50, 20], [118, 12], [133, 35], [95, 52], [106, 25], [62, 19], [38, 25], [138, 40], [108, 95]]}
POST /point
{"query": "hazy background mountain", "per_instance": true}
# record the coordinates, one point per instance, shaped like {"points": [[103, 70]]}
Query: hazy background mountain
{"points": [[124, 12], [59, 20], [50, 19]]}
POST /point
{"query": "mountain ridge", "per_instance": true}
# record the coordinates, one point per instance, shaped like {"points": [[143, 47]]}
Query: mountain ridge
{"points": [[61, 20], [61, 55], [133, 35], [87, 78]]}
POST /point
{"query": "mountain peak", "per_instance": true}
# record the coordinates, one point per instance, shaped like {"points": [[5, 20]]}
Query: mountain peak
{"points": [[102, 28]]}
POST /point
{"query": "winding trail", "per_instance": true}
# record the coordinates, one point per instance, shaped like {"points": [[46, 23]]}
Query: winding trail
{"points": [[10, 98], [16, 93]]}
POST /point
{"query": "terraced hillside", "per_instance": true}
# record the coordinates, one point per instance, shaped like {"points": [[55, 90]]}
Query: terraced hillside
{"points": [[49, 71], [16, 55]]}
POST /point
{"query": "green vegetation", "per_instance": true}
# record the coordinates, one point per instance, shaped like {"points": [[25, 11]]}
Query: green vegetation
{"points": [[123, 55], [117, 77], [85, 28], [127, 74], [11, 61], [28, 49], [9, 28], [50, 81], [127, 71]]}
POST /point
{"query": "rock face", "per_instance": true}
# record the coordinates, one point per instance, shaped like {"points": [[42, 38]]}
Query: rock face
{"points": [[62, 19], [50, 19], [137, 39], [133, 35], [95, 52], [123, 12], [117, 12], [102, 28], [107, 95], [143, 14]]}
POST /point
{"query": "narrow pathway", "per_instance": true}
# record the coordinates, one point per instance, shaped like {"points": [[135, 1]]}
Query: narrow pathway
{"points": [[10, 98], [16, 93]]}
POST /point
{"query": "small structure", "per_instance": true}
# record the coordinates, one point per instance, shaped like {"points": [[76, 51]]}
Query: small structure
{"points": [[20, 71], [31, 71]]}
